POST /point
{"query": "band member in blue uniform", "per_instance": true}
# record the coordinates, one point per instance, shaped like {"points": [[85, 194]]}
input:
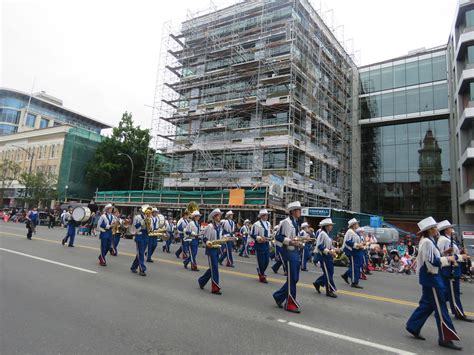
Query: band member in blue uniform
{"points": [[326, 253], [288, 231], [228, 230], [364, 255], [116, 232], [70, 224], [452, 274], [104, 225], [352, 247], [193, 233], [140, 240], [429, 262], [170, 229], [213, 231], [245, 231], [308, 246], [152, 240], [261, 235], [181, 227], [278, 253]]}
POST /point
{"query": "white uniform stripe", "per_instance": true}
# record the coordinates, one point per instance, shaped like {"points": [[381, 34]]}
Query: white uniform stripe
{"points": [[347, 338], [49, 261]]}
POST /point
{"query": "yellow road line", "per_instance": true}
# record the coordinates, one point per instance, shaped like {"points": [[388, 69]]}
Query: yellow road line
{"points": [[249, 276]]}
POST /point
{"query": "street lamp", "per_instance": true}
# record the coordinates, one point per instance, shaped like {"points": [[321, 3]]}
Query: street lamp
{"points": [[31, 156], [65, 193], [131, 174]]}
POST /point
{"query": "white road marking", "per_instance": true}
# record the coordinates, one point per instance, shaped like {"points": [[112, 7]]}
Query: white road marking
{"points": [[347, 338], [49, 261]]}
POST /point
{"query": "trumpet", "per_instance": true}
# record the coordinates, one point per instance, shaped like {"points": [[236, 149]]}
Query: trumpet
{"points": [[265, 239], [160, 233], [304, 240]]}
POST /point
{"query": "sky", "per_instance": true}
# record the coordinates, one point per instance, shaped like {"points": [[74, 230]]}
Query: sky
{"points": [[101, 56]]}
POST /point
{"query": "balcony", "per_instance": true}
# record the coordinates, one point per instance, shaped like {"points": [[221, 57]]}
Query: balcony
{"points": [[466, 116], [466, 38], [467, 197], [467, 76], [467, 156]]}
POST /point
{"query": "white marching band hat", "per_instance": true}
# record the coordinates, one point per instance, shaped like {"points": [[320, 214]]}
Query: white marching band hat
{"points": [[294, 206], [228, 213], [146, 207], [195, 213], [360, 230], [262, 212], [444, 225], [154, 209], [109, 205], [426, 224], [304, 225], [352, 222], [214, 213], [326, 222], [246, 221]]}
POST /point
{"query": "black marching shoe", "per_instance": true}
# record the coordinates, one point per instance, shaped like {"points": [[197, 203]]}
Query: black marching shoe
{"points": [[63, 241], [415, 335], [134, 271], [331, 294], [464, 319], [449, 344], [356, 286], [345, 278], [142, 273], [71, 246], [317, 287]]}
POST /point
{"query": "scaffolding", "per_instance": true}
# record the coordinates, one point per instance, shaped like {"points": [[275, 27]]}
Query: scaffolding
{"points": [[256, 89]]}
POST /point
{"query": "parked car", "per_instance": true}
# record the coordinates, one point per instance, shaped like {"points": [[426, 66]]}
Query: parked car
{"points": [[383, 235]]}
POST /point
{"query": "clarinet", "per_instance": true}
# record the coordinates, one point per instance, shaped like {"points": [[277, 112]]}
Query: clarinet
{"points": [[451, 270]]}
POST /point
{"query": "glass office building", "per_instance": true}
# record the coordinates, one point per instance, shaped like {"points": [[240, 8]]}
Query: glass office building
{"points": [[405, 140], [22, 112]]}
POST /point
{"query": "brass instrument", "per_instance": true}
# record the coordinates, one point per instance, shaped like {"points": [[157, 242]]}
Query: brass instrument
{"points": [[116, 226], [191, 207], [216, 244]]}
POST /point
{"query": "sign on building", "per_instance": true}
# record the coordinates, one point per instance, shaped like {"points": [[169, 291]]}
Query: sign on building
{"points": [[376, 221], [316, 212]]}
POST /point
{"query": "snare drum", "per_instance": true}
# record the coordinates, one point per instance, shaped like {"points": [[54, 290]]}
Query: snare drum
{"points": [[81, 214]]}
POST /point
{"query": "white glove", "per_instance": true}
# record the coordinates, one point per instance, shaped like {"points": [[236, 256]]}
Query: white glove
{"points": [[107, 226]]}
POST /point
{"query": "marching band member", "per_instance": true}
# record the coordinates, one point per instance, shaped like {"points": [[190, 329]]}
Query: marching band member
{"points": [[181, 227], [289, 230], [213, 231], [170, 230], [140, 241], [364, 257], [429, 261], [71, 228], [117, 235], [278, 258], [261, 235], [451, 274], [228, 229], [193, 230], [244, 231], [326, 253], [306, 251], [352, 247], [152, 239], [105, 228]]}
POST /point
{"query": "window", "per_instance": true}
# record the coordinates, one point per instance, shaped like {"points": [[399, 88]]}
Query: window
{"points": [[426, 99], [7, 129], [399, 76], [387, 78], [413, 101], [471, 91], [439, 68], [469, 18], [387, 104], [8, 115], [30, 120], [274, 159], [411, 73], [44, 123], [375, 106], [399, 103], [365, 82], [425, 71], [470, 55], [375, 80]]}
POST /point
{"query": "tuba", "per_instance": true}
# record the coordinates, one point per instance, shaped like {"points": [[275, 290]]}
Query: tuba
{"points": [[191, 207]]}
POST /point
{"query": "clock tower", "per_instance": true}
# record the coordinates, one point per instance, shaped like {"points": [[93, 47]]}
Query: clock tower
{"points": [[430, 171]]}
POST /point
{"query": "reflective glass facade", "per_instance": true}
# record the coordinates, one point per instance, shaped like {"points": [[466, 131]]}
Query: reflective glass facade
{"points": [[405, 170]]}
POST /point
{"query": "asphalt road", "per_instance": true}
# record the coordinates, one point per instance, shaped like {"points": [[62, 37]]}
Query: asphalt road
{"points": [[58, 300]]}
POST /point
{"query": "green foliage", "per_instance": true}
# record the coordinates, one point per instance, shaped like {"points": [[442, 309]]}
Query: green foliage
{"points": [[41, 188], [9, 171], [109, 171]]}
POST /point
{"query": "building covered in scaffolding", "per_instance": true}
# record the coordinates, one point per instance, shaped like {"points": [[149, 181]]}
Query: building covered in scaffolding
{"points": [[258, 95]]}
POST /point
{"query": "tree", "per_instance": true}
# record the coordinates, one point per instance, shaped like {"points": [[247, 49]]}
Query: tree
{"points": [[9, 170], [41, 187], [109, 171]]}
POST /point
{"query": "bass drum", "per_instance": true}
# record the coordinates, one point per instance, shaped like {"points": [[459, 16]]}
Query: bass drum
{"points": [[81, 214]]}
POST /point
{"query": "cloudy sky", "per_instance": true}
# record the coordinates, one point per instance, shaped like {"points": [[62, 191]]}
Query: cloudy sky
{"points": [[100, 56]]}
